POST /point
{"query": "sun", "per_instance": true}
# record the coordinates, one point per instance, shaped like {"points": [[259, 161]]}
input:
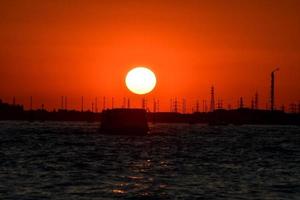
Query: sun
{"points": [[140, 80]]}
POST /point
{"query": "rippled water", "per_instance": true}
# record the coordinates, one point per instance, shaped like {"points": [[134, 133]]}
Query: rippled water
{"points": [[66, 160]]}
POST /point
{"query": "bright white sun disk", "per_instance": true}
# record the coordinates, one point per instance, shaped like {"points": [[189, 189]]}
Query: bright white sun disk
{"points": [[140, 80]]}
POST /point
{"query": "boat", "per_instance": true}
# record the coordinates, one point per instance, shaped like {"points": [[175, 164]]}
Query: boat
{"points": [[120, 121]]}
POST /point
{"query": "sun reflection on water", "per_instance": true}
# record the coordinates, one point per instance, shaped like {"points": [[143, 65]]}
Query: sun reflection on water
{"points": [[118, 191]]}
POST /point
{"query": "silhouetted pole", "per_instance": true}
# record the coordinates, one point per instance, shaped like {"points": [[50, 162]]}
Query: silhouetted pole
{"points": [[293, 108], [104, 99], [144, 103], [128, 103], [124, 103], [96, 104], [219, 105], [62, 102], [154, 105], [30, 102], [272, 88], [176, 105], [197, 106], [212, 99], [282, 108], [82, 104], [229, 106], [66, 103], [183, 106], [241, 102], [256, 101], [272, 91], [290, 108], [252, 104]]}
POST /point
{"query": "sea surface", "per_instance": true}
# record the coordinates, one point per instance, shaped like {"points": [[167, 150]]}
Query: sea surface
{"points": [[71, 160]]}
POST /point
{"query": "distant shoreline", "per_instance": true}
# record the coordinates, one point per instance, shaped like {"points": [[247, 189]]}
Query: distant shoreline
{"points": [[218, 117]]}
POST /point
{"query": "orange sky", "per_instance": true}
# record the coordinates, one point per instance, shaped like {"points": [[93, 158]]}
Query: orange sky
{"points": [[80, 47]]}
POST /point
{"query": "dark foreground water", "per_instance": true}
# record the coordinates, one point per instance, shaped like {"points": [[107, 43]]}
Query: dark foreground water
{"points": [[54, 160]]}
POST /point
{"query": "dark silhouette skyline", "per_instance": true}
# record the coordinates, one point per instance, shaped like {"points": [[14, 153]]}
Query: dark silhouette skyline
{"points": [[219, 116]]}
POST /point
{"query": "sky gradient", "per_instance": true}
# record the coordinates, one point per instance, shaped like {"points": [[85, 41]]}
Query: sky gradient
{"points": [[85, 48]]}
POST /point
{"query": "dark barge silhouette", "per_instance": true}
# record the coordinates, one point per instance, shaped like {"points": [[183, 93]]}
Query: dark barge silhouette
{"points": [[124, 122]]}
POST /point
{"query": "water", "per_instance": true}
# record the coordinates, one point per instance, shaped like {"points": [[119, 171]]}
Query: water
{"points": [[64, 160]]}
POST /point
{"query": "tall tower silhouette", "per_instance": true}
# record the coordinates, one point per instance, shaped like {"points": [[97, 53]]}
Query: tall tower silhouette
{"points": [[272, 88], [212, 99]]}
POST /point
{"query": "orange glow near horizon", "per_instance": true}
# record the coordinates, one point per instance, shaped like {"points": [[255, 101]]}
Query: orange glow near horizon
{"points": [[52, 48]]}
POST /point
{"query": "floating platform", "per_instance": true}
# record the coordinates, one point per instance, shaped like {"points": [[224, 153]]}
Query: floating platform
{"points": [[121, 121]]}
